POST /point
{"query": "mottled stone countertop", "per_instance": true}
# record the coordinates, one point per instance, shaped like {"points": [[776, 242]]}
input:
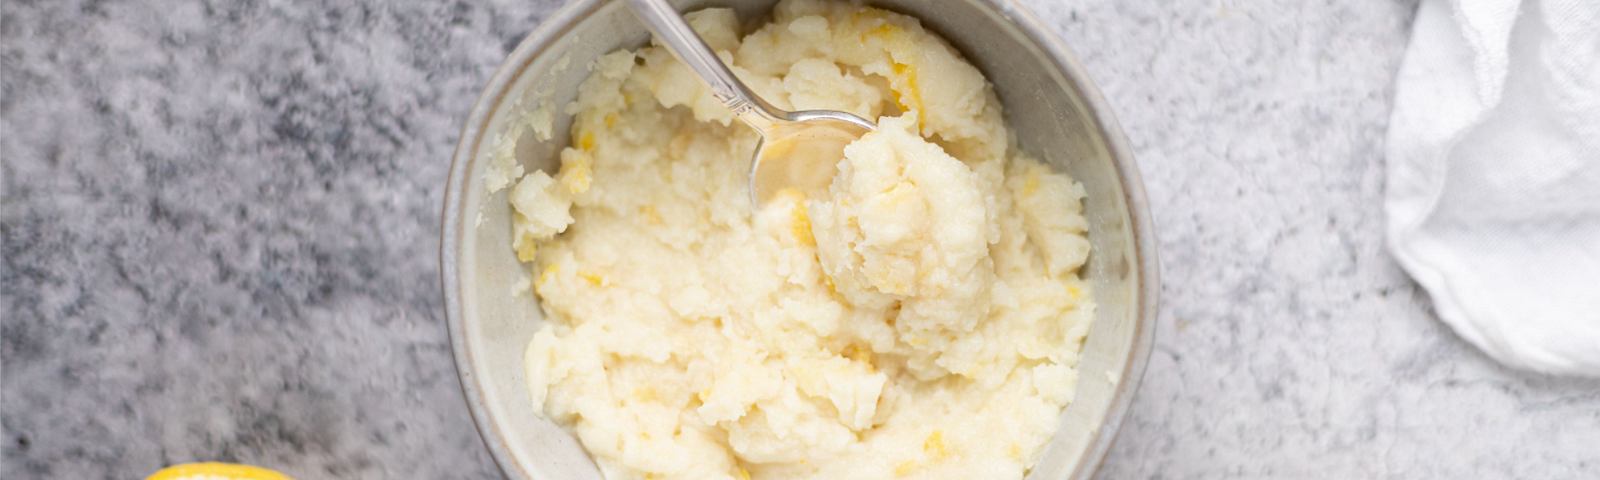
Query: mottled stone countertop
{"points": [[220, 243]]}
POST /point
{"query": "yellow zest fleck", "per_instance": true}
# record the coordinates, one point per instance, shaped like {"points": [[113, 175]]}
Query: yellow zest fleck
{"points": [[801, 225], [526, 248], [909, 74], [611, 120], [1073, 290], [586, 141], [595, 279], [861, 354], [1015, 452], [1032, 185], [826, 280], [745, 474], [644, 435], [899, 97], [548, 274], [577, 176], [883, 31], [895, 40], [651, 216], [645, 394], [972, 374], [905, 468], [881, 279], [934, 445], [231, 471], [864, 18], [652, 474]]}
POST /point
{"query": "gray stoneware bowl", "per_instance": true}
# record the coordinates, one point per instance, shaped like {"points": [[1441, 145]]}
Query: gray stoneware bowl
{"points": [[1055, 109]]}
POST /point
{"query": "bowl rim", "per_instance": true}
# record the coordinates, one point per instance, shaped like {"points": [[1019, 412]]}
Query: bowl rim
{"points": [[563, 20]]}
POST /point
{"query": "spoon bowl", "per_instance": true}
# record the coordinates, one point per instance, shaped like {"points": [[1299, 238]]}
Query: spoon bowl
{"points": [[802, 154], [798, 150]]}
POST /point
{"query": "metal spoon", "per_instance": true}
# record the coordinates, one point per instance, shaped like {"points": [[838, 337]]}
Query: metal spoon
{"points": [[798, 150]]}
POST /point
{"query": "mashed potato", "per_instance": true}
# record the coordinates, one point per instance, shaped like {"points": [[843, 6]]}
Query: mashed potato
{"points": [[921, 320]]}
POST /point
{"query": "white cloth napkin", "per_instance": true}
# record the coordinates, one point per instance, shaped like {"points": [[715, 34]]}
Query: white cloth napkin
{"points": [[1493, 197]]}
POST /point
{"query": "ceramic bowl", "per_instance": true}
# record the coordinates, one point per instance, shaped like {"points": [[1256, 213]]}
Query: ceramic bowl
{"points": [[1050, 102]]}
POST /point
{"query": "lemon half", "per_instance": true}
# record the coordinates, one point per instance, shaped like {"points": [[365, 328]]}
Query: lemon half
{"points": [[216, 471]]}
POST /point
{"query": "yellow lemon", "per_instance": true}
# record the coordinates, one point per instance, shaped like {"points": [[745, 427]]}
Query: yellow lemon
{"points": [[216, 471]]}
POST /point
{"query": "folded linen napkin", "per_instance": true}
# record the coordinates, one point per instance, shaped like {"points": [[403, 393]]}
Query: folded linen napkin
{"points": [[1493, 196]]}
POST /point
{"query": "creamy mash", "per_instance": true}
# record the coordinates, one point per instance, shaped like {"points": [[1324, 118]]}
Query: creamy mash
{"points": [[922, 319]]}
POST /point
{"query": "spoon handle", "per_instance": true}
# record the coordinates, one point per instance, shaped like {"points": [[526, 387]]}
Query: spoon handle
{"points": [[687, 46]]}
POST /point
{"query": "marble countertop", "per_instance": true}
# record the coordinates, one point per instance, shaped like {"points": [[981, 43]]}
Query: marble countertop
{"points": [[220, 244]]}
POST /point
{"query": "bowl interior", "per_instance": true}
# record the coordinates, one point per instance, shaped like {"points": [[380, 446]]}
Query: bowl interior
{"points": [[1046, 99]]}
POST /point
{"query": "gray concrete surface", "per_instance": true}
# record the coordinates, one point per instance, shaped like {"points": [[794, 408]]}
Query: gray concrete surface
{"points": [[220, 244]]}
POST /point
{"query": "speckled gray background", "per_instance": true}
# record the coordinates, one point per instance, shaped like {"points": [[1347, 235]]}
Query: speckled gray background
{"points": [[219, 244]]}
